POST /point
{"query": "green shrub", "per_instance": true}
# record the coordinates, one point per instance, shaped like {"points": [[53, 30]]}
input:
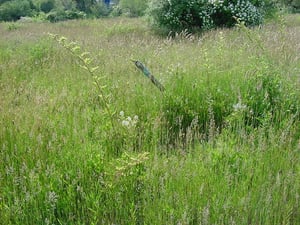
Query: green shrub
{"points": [[55, 16], [133, 8], [296, 5], [293, 5], [244, 10], [67, 4], [99, 10], [14, 10], [13, 26], [47, 5], [203, 14], [60, 15], [116, 11]]}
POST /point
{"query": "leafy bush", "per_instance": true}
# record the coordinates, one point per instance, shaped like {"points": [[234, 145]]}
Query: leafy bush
{"points": [[293, 5], [14, 10], [47, 5], [133, 8], [99, 10], [296, 6], [244, 10], [116, 11], [204, 14], [60, 15], [61, 10]]}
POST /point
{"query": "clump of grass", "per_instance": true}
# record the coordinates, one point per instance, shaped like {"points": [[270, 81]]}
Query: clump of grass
{"points": [[193, 106], [13, 26], [203, 104]]}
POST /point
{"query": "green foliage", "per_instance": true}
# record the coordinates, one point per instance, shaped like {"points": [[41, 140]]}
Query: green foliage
{"points": [[173, 14], [61, 10], [68, 4], [99, 10], [295, 6], [292, 5], [55, 10], [84, 5], [47, 5], [92, 7], [13, 26], [133, 8], [116, 11], [55, 16], [14, 10], [204, 14], [127, 176], [195, 110], [265, 95]]}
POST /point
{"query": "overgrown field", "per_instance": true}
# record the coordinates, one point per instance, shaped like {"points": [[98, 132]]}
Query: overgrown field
{"points": [[219, 146]]}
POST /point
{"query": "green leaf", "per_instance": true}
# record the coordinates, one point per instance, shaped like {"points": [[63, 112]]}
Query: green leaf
{"points": [[84, 54], [76, 48], [62, 39], [84, 67], [94, 69], [87, 61]]}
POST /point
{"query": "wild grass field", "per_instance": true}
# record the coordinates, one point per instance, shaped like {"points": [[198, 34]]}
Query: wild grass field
{"points": [[86, 138]]}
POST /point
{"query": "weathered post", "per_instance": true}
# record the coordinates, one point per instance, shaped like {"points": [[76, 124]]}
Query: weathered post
{"points": [[147, 73]]}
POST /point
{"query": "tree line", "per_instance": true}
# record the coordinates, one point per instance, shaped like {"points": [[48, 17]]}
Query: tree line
{"points": [[57, 10], [167, 14]]}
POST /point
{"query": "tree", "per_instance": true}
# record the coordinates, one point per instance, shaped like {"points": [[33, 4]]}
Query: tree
{"points": [[47, 5], [133, 7], [203, 14], [85, 5], [15, 9]]}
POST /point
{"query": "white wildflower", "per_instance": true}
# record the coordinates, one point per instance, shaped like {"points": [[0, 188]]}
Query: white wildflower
{"points": [[128, 121], [122, 113], [239, 106], [125, 123]]}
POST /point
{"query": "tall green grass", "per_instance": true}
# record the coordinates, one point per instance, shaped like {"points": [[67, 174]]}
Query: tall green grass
{"points": [[221, 146]]}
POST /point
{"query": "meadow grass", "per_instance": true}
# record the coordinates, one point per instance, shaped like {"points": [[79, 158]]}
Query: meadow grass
{"points": [[220, 146]]}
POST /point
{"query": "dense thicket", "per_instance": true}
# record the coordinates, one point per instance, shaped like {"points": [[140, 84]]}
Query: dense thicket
{"points": [[207, 14], [178, 15], [52, 10], [55, 10], [13, 10]]}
